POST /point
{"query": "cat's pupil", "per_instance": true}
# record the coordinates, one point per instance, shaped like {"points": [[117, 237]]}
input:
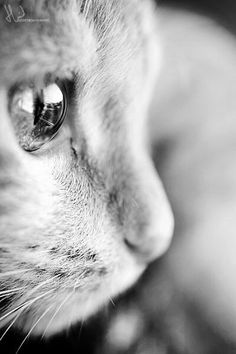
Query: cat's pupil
{"points": [[37, 114]]}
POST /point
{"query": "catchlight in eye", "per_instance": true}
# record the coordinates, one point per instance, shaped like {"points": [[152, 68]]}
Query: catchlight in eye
{"points": [[37, 113]]}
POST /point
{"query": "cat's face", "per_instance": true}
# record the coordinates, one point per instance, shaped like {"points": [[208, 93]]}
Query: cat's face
{"points": [[81, 217]]}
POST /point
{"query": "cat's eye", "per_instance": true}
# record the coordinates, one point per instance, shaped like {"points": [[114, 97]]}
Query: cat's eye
{"points": [[37, 113]]}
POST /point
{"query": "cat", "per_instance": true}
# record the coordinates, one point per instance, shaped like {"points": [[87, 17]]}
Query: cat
{"points": [[82, 214], [82, 209]]}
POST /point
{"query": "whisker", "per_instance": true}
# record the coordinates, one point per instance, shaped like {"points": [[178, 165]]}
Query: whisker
{"points": [[27, 296], [16, 317], [14, 310], [25, 304], [56, 312], [83, 316], [32, 328], [112, 301], [40, 285], [11, 324], [3, 299], [22, 309], [6, 292]]}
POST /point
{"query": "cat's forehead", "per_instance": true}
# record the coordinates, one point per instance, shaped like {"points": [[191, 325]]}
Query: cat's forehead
{"points": [[59, 36], [40, 36], [54, 36], [42, 8]]}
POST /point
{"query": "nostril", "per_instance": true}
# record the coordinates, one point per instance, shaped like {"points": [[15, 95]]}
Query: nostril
{"points": [[151, 248]]}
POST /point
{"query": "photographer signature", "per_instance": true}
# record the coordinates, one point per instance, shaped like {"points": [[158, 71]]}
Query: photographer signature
{"points": [[19, 16]]}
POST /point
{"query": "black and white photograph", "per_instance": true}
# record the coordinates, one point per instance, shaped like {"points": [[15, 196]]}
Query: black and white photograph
{"points": [[117, 177]]}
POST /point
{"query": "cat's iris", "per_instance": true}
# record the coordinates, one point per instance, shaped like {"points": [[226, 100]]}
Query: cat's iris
{"points": [[37, 113]]}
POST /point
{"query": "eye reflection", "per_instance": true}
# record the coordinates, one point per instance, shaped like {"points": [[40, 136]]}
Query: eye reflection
{"points": [[37, 113]]}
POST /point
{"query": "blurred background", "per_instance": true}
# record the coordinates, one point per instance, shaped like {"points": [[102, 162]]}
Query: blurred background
{"points": [[223, 11]]}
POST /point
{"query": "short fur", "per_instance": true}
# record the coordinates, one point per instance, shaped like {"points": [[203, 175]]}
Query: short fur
{"points": [[81, 218]]}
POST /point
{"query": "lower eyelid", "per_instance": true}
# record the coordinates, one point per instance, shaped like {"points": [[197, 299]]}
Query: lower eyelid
{"points": [[63, 135]]}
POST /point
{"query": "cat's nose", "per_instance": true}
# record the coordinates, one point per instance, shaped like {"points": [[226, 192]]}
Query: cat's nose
{"points": [[157, 234], [153, 237], [153, 223]]}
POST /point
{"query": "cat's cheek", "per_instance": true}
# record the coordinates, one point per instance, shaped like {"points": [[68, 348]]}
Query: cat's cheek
{"points": [[128, 272], [80, 307]]}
